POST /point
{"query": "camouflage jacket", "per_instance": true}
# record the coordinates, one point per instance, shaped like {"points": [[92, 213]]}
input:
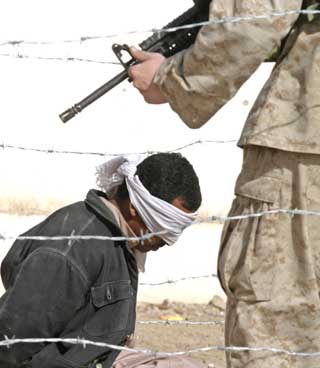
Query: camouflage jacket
{"points": [[200, 80]]}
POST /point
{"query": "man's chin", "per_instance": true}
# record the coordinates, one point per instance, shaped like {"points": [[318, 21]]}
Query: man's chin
{"points": [[145, 249]]}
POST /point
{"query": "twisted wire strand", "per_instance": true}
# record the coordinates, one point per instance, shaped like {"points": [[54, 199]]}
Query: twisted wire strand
{"points": [[84, 342], [214, 218], [192, 323], [178, 280], [223, 20], [5, 146], [66, 59]]}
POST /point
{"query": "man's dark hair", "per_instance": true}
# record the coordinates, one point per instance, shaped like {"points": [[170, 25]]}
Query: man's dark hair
{"points": [[168, 176]]}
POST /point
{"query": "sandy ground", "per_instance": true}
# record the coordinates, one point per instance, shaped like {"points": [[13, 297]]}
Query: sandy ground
{"points": [[176, 335]]}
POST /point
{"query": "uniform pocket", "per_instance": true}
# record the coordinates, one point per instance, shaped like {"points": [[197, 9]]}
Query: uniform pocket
{"points": [[111, 305], [248, 245]]}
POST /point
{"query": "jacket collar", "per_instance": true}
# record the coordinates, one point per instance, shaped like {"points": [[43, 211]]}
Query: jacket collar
{"points": [[95, 203]]}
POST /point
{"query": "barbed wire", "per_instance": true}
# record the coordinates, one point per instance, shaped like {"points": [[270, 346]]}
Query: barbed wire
{"points": [[169, 281], [222, 20], [192, 323], [291, 212], [104, 154], [7, 342], [18, 55], [80, 40], [214, 218], [84, 237]]}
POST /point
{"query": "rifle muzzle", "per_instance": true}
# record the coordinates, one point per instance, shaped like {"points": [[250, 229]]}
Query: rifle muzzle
{"points": [[70, 113]]}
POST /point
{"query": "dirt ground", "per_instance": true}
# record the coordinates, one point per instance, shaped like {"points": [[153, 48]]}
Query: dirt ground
{"points": [[174, 334]]}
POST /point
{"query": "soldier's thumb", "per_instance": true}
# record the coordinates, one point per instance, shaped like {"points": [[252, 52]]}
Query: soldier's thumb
{"points": [[140, 55]]}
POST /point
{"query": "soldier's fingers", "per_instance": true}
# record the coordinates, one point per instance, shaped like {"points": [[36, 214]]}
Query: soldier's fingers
{"points": [[141, 55], [141, 85]]}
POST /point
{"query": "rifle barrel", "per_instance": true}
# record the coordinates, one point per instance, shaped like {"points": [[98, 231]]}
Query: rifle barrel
{"points": [[78, 107]]}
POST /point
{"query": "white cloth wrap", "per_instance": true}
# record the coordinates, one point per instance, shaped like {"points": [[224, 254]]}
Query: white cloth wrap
{"points": [[157, 214]]}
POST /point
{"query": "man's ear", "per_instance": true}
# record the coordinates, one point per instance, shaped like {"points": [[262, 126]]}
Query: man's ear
{"points": [[179, 203], [132, 210]]}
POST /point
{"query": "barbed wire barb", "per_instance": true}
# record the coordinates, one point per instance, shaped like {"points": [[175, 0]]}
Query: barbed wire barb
{"points": [[170, 281], [192, 323], [83, 237], [223, 20], [213, 218], [84, 342], [19, 55], [104, 154]]}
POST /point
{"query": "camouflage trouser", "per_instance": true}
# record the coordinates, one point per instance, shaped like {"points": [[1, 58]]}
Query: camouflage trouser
{"points": [[269, 266]]}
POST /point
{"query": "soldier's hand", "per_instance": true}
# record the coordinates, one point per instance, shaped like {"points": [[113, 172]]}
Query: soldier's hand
{"points": [[142, 75]]}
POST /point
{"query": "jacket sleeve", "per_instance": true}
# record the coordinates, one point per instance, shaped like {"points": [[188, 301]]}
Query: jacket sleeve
{"points": [[46, 293], [198, 81]]}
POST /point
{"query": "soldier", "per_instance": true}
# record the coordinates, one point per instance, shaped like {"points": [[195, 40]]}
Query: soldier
{"points": [[268, 266]]}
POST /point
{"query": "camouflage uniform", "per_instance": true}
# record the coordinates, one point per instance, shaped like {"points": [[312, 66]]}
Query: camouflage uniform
{"points": [[269, 266]]}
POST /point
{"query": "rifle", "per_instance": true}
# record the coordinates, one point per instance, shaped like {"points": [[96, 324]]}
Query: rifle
{"points": [[166, 43]]}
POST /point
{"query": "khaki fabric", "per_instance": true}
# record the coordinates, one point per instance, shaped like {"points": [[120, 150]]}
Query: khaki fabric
{"points": [[269, 266], [199, 81]]}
